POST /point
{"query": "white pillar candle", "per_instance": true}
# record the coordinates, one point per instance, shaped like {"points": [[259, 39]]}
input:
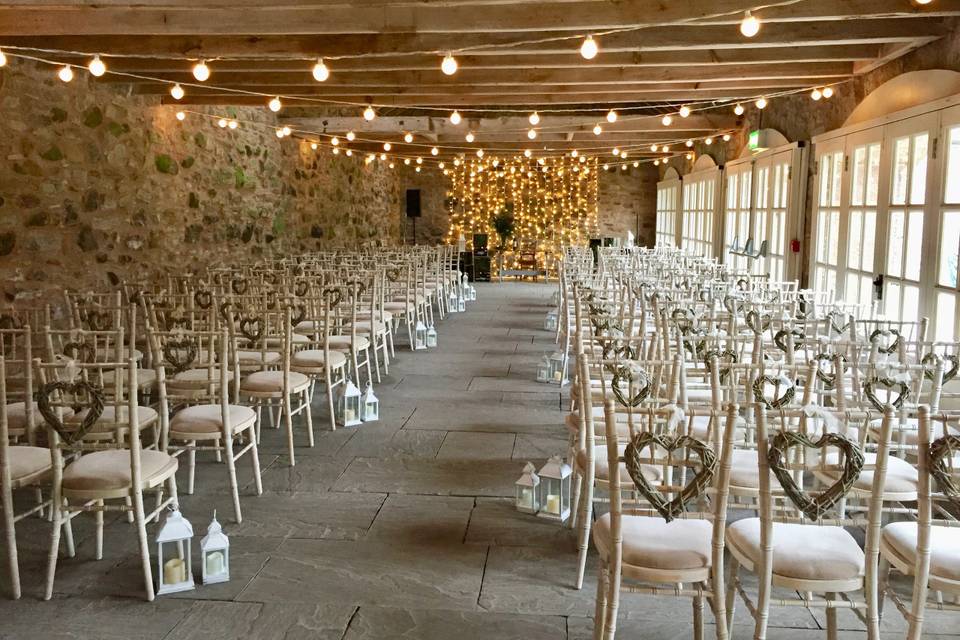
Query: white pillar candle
{"points": [[174, 571], [553, 503], [214, 563], [526, 498]]}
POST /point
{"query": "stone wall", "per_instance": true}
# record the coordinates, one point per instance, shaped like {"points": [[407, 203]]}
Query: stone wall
{"points": [[97, 182], [431, 228]]}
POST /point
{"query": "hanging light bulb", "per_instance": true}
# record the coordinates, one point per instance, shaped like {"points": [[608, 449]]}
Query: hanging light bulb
{"points": [[738, 109], [320, 71], [623, 167], [201, 71], [534, 118], [275, 105], [334, 140], [479, 153], [387, 146], [408, 137], [419, 160], [636, 164], [369, 114], [470, 137], [383, 156], [449, 65], [527, 153], [351, 136], [3, 58], [827, 92], [606, 167], [597, 129], [654, 148], [750, 25], [456, 162], [406, 161], [336, 151], [181, 116], [96, 67], [532, 134], [656, 162], [233, 124], [816, 95], [455, 118], [286, 131], [349, 152], [574, 153], [689, 156], [441, 165], [689, 143], [391, 165], [177, 92], [667, 120], [623, 154], [761, 103], [279, 133], [665, 148], [314, 145], [684, 111], [589, 48], [65, 73], [708, 141], [726, 137], [611, 116], [434, 151], [418, 169], [616, 151]]}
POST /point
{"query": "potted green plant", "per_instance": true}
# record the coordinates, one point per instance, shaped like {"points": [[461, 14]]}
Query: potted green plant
{"points": [[503, 226]]}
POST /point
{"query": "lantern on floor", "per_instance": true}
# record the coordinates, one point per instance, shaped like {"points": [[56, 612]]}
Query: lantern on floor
{"points": [[473, 293], [420, 336], [176, 573], [452, 305], [461, 303], [544, 374], [371, 405], [556, 298], [557, 368], [528, 490], [431, 337], [555, 489], [348, 410], [215, 552], [550, 323]]}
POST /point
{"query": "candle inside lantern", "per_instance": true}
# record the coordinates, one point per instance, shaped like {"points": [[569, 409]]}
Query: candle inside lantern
{"points": [[214, 563], [349, 415], [553, 503], [174, 571], [526, 498]]}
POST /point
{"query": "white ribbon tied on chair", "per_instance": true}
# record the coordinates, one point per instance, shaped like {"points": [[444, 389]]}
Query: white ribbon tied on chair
{"points": [[677, 416], [830, 422]]}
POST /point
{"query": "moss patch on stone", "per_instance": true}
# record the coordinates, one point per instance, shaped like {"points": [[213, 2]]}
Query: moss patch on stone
{"points": [[93, 117], [53, 154], [166, 164]]}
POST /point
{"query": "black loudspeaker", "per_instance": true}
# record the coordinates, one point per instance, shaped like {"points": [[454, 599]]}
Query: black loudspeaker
{"points": [[413, 203], [481, 268], [480, 244]]}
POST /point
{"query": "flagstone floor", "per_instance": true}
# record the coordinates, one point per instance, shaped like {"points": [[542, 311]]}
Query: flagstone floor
{"points": [[398, 529]]}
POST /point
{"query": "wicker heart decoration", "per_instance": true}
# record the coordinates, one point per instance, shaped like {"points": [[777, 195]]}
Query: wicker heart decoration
{"points": [[835, 321], [670, 509], [298, 313], [203, 299], [239, 286], [641, 394], [814, 506], [826, 363], [941, 450], [98, 320], [732, 304], [780, 339], [92, 405], [725, 359], [180, 354], [775, 403], [889, 347], [300, 288], [901, 387], [251, 328], [931, 360], [684, 319], [333, 295], [758, 322], [80, 351]]}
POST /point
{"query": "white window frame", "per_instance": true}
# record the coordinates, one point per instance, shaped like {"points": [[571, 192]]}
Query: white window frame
{"points": [[702, 196], [669, 194]]}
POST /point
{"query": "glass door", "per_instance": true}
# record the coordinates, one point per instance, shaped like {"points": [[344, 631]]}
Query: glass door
{"points": [[826, 262], [737, 211], [946, 290], [772, 175], [699, 207], [861, 197], [668, 206]]}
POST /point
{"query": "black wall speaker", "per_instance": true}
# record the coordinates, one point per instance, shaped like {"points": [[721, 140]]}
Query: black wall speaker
{"points": [[480, 244], [413, 203]]}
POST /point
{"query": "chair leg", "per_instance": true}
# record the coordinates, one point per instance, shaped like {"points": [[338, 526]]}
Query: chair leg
{"points": [[255, 455], [13, 564], [309, 410], [288, 420], [883, 584], [141, 524], [585, 517], [697, 617], [376, 358], [330, 407], [68, 538], [600, 610], [56, 505], [575, 497], [369, 372], [191, 465], [232, 474], [832, 629], [613, 600], [98, 518], [731, 595]]}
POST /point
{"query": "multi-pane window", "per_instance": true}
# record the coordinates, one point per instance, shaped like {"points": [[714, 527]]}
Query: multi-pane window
{"points": [[827, 238], [667, 206], [699, 204]]}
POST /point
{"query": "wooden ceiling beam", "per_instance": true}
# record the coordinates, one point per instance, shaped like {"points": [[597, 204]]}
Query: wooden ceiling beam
{"points": [[358, 18]]}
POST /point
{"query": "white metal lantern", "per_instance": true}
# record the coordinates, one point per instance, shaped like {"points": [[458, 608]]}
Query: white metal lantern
{"points": [[452, 306], [174, 574], [420, 335], [215, 552], [371, 405], [528, 490], [431, 336], [557, 366], [461, 303], [473, 293], [544, 374], [550, 322], [348, 410], [555, 489], [556, 298]]}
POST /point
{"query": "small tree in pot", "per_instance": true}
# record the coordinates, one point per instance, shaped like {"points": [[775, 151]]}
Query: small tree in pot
{"points": [[503, 225]]}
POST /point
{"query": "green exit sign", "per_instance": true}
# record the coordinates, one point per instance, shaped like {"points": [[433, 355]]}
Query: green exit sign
{"points": [[753, 141]]}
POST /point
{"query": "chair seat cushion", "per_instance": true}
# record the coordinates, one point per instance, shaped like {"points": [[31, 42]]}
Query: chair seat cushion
{"points": [[110, 417], [308, 326], [944, 547], [110, 470], [197, 378], [248, 357], [398, 307], [601, 467], [907, 432], [652, 543], [17, 416], [801, 552], [295, 338], [386, 317], [342, 343], [315, 358], [745, 470], [272, 382], [145, 378], [902, 477], [207, 418], [28, 461], [363, 326]]}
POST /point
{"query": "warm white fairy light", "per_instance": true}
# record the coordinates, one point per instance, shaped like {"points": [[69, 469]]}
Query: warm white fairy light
{"points": [[532, 134], [708, 141], [334, 140], [233, 124], [654, 148], [623, 167], [320, 71], [418, 169], [470, 137], [96, 67], [349, 152], [286, 131], [279, 133], [623, 154], [606, 167], [684, 111], [3, 58], [351, 136], [391, 165], [534, 118], [181, 116], [761, 103], [65, 73], [597, 129], [816, 94], [616, 151], [689, 143], [383, 156], [434, 151], [611, 116], [574, 153], [527, 153], [177, 92], [336, 151], [314, 145], [479, 153], [726, 137], [750, 25], [455, 118], [636, 164], [449, 65], [667, 120], [827, 92], [369, 114], [738, 109], [201, 71], [275, 105], [406, 161], [689, 156], [656, 162], [408, 137], [589, 48], [419, 160], [665, 148], [441, 165], [387, 146]]}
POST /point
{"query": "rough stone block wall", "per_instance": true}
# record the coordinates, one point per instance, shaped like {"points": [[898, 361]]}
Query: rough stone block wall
{"points": [[97, 182]]}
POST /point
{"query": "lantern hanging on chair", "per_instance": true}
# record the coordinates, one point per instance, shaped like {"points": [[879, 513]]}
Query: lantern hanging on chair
{"points": [[348, 410], [215, 553], [550, 322], [431, 337], [544, 372], [555, 489], [176, 573], [371, 405], [528, 490], [420, 336]]}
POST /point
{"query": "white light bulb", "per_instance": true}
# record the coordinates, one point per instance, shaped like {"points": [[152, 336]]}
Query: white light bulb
{"points": [[391, 165], [827, 92], [616, 151], [532, 134], [449, 65], [65, 73], [623, 154], [470, 137], [761, 103], [336, 151], [408, 137], [726, 137], [233, 124], [181, 116], [606, 167], [441, 165], [279, 133], [689, 143], [369, 114], [738, 109], [351, 136], [815, 95], [434, 151], [654, 148], [3, 59], [387, 146], [689, 156], [479, 153], [320, 71], [589, 48], [750, 26], [349, 152], [313, 145], [623, 167], [611, 116], [275, 104], [534, 118], [574, 153], [96, 67], [667, 120], [286, 131], [636, 164], [201, 71], [419, 160], [684, 111], [418, 169], [406, 161], [455, 117], [334, 140], [666, 148], [527, 153], [708, 141], [177, 92], [656, 163], [383, 156], [597, 130]]}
